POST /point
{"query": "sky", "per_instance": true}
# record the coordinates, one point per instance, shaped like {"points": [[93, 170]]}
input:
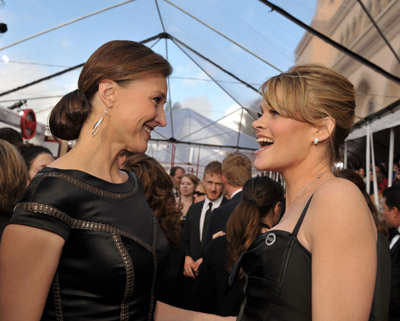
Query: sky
{"points": [[268, 38]]}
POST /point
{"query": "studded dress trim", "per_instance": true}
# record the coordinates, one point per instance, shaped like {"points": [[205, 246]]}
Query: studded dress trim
{"points": [[155, 264], [79, 224], [91, 188], [130, 273], [116, 232], [57, 298]]}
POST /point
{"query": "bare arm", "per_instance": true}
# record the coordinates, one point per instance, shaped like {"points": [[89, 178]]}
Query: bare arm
{"points": [[28, 261], [165, 312], [342, 238]]}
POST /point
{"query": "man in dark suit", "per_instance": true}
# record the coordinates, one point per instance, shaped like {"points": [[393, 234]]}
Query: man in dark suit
{"points": [[198, 216], [391, 207], [176, 174], [236, 170]]}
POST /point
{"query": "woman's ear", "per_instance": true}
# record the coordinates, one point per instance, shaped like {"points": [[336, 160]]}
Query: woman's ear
{"points": [[276, 212], [325, 130], [107, 91]]}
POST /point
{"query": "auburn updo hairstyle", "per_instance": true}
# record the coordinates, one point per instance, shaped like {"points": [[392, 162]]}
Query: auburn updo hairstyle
{"points": [[310, 93], [121, 61]]}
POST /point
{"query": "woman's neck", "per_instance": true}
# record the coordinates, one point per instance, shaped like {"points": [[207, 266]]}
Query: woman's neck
{"points": [[187, 198]]}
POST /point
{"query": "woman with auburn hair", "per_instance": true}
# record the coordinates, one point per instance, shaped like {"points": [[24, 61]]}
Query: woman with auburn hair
{"points": [[158, 188], [258, 211], [13, 181], [320, 261], [92, 246], [187, 189]]}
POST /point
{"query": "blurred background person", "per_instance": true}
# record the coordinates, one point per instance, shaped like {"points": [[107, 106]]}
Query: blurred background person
{"points": [[176, 174], [391, 207], [187, 189], [36, 158], [196, 223], [258, 210], [11, 135], [236, 170], [199, 193], [13, 180]]}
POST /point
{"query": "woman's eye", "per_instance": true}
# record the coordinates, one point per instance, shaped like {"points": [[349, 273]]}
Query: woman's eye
{"points": [[259, 115], [157, 100], [273, 112]]}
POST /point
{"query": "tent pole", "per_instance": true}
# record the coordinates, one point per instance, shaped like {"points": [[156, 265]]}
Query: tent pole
{"points": [[173, 147], [198, 163], [391, 156], [368, 160], [376, 194]]}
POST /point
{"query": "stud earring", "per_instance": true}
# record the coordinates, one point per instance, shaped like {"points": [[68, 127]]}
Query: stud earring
{"points": [[96, 126], [316, 140]]}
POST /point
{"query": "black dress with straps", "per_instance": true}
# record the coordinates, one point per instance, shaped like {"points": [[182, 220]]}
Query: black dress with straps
{"points": [[113, 245], [278, 272]]}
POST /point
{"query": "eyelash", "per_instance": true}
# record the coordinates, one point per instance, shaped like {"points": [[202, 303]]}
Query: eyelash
{"points": [[157, 100]]}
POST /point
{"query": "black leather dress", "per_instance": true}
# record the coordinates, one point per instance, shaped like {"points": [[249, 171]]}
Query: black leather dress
{"points": [[278, 273], [113, 245]]}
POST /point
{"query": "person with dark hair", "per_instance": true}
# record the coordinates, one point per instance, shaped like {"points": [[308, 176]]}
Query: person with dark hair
{"points": [[36, 158], [92, 245], [159, 195], [11, 135], [258, 210], [176, 174], [391, 207], [13, 180], [320, 261]]}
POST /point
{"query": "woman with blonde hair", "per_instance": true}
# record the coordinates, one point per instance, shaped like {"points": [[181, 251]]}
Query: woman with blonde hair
{"points": [[13, 181], [320, 261]]}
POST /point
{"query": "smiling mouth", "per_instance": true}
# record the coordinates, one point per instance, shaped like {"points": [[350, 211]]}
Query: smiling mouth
{"points": [[264, 141], [147, 129]]}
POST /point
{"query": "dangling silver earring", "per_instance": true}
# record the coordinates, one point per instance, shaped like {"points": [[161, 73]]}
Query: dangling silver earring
{"points": [[316, 140], [96, 126]]}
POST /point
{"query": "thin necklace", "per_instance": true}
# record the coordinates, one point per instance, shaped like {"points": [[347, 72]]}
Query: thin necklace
{"points": [[305, 188]]}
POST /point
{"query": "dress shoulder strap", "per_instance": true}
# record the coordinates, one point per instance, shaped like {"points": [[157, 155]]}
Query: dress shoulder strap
{"points": [[301, 218]]}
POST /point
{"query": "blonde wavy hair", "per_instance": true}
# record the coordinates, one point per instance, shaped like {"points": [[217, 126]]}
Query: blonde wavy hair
{"points": [[310, 93]]}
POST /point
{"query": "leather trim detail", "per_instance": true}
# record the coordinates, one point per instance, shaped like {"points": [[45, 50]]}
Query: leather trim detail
{"points": [[91, 188], [155, 265], [80, 224], [57, 298], [129, 270]]}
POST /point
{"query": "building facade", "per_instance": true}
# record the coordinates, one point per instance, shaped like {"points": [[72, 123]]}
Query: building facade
{"points": [[347, 23]]}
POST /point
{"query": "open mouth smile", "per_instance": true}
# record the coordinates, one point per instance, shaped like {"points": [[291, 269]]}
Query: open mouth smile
{"points": [[264, 141]]}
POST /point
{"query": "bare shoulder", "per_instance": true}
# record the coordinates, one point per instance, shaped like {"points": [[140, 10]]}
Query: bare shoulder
{"points": [[338, 203], [338, 192]]}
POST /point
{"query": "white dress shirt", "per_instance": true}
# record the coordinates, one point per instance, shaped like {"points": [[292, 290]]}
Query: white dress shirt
{"points": [[395, 239], [216, 203]]}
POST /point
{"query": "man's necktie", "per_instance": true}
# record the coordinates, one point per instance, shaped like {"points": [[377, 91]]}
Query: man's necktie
{"points": [[205, 225]]}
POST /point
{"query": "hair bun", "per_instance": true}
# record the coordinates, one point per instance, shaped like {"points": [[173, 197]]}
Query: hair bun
{"points": [[68, 116]]}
